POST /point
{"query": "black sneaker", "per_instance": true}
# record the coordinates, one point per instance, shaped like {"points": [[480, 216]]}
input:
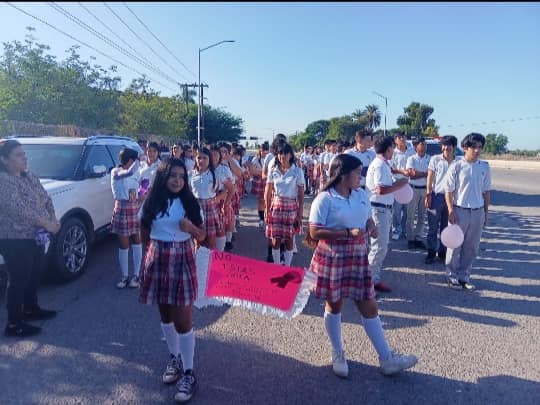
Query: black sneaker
{"points": [[419, 244], [442, 256], [430, 257], [466, 285], [39, 314], [228, 246], [186, 387], [173, 371], [269, 259], [453, 282], [411, 244], [21, 329]]}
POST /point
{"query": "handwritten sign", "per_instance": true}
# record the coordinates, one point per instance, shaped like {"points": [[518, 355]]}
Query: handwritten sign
{"points": [[252, 280]]}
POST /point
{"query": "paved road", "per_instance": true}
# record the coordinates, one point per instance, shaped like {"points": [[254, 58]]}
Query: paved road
{"points": [[473, 348]]}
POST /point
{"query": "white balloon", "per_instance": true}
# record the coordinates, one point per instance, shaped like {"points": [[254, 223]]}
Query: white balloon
{"points": [[404, 194], [452, 236]]}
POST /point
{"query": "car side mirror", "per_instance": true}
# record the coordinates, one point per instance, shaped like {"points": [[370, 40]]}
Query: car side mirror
{"points": [[98, 171]]}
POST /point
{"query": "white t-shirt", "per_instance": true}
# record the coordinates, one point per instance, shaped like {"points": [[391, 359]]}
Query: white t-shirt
{"points": [[202, 184], [129, 181], [331, 210], [379, 174], [420, 164], [148, 172], [267, 159], [399, 161], [327, 160], [166, 228], [190, 164], [468, 181], [223, 175], [439, 166], [286, 184], [366, 157]]}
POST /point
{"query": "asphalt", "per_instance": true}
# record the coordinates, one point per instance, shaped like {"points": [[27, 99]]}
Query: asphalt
{"points": [[473, 348]]}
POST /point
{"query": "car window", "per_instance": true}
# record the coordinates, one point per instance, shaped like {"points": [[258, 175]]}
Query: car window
{"points": [[97, 156], [433, 149], [115, 151], [49, 161]]}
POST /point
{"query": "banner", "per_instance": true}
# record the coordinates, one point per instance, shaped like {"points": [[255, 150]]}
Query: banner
{"points": [[256, 285]]}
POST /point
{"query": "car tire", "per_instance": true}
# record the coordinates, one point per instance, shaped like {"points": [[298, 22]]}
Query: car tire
{"points": [[70, 250]]}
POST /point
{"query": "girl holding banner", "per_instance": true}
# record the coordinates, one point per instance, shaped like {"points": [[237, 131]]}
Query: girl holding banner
{"points": [[284, 197], [170, 219], [339, 224]]}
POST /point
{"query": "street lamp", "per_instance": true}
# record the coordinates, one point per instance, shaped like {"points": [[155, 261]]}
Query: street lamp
{"points": [[200, 92], [385, 108]]}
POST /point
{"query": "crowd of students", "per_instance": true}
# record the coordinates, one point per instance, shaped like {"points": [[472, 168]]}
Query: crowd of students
{"points": [[194, 199]]}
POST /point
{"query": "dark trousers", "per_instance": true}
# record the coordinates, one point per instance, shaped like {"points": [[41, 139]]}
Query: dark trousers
{"points": [[437, 220], [23, 261]]}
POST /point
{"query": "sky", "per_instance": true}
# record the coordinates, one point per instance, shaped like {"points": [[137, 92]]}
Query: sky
{"points": [[476, 64]]}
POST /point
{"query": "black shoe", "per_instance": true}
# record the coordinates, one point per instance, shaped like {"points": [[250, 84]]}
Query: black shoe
{"points": [[430, 259], [233, 238], [269, 259], [453, 282], [186, 387], [39, 314], [228, 246], [442, 256], [411, 244], [21, 329], [466, 285], [419, 244]]}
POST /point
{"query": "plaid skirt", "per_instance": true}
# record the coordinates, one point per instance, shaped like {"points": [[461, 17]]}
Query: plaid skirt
{"points": [[168, 274], [283, 213], [226, 212], [310, 170], [342, 270], [212, 222], [124, 218], [235, 200], [257, 186]]}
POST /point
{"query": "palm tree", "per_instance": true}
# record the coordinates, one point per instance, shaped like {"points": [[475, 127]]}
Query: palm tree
{"points": [[373, 116]]}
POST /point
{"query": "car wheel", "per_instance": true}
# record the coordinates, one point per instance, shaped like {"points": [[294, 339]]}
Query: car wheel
{"points": [[70, 250]]}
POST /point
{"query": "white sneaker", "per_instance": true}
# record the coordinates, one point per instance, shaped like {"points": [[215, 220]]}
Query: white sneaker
{"points": [[339, 364], [397, 362], [395, 236], [134, 282], [122, 283]]}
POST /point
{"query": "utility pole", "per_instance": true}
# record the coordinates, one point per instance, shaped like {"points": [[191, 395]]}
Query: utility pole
{"points": [[199, 94]]}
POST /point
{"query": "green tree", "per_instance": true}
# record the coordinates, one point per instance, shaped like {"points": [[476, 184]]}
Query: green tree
{"points": [[496, 144], [318, 130], [344, 128], [416, 120], [370, 116]]}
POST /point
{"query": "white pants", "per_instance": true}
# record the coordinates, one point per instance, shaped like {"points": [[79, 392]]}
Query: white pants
{"points": [[379, 245]]}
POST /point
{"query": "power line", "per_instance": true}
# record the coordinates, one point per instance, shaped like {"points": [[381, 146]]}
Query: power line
{"points": [[87, 45], [116, 35], [496, 122], [82, 24], [143, 41], [157, 39]]}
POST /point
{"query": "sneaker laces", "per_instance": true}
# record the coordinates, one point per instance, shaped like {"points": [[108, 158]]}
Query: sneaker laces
{"points": [[186, 382], [173, 367]]}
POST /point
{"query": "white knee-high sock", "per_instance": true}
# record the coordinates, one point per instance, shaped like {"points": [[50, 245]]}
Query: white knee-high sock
{"points": [[228, 236], [332, 323], [137, 258], [123, 258], [186, 343], [375, 332], [170, 337], [288, 255], [220, 243], [294, 248], [276, 255]]}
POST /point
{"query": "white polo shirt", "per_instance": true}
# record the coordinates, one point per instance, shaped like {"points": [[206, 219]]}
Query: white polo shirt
{"points": [[190, 164], [379, 174], [420, 164], [439, 166], [166, 228], [327, 160], [148, 171], [120, 186], [399, 161], [366, 157], [286, 184], [331, 210], [223, 175], [202, 184], [468, 181], [269, 156]]}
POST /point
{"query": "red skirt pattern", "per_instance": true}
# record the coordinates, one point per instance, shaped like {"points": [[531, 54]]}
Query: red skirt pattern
{"points": [[226, 212], [168, 274], [342, 270], [310, 170], [212, 222], [283, 213], [124, 218], [257, 186]]}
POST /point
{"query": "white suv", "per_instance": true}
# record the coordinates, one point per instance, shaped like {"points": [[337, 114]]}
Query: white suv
{"points": [[76, 174]]}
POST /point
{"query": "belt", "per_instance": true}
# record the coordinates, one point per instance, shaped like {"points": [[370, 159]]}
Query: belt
{"points": [[470, 209], [413, 186], [374, 204]]}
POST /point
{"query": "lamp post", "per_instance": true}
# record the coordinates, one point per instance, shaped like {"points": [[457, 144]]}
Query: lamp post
{"points": [[385, 108], [200, 92]]}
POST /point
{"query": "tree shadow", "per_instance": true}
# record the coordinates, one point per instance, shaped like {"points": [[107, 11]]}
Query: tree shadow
{"points": [[505, 198]]}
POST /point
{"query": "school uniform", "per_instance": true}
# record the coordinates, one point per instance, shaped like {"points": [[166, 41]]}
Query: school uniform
{"points": [[124, 217], [417, 204], [284, 206], [322, 171], [238, 189], [366, 157], [204, 190], [257, 182], [379, 173], [438, 212], [399, 214], [224, 174], [168, 273], [341, 265], [467, 181], [147, 174]]}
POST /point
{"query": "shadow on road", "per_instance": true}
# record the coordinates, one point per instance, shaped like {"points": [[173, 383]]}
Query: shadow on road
{"points": [[509, 199]]}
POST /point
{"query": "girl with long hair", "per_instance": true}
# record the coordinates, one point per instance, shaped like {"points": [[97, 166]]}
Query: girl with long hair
{"points": [[258, 184], [204, 185], [339, 224], [284, 201], [227, 162], [148, 169], [124, 222], [223, 197], [171, 219]]}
